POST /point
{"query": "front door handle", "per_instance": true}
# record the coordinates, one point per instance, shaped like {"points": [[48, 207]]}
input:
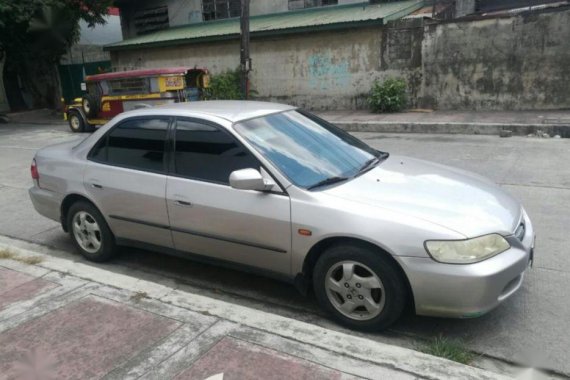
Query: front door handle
{"points": [[183, 203]]}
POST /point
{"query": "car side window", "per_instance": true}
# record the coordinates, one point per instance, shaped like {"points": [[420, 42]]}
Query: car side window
{"points": [[136, 144], [208, 153]]}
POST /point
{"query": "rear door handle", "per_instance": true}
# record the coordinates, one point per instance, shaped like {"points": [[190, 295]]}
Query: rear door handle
{"points": [[96, 185], [183, 203]]}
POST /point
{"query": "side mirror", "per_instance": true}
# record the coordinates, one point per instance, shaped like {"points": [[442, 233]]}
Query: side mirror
{"points": [[250, 179]]}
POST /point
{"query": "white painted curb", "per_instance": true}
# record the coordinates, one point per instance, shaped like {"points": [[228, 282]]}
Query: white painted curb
{"points": [[389, 356]]}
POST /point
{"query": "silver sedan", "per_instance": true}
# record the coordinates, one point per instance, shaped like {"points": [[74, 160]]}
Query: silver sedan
{"points": [[275, 189]]}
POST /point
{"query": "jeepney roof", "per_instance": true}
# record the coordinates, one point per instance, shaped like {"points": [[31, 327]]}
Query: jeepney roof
{"points": [[142, 73]]}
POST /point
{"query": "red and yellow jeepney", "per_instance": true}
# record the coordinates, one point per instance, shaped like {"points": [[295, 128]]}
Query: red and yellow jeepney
{"points": [[109, 94]]}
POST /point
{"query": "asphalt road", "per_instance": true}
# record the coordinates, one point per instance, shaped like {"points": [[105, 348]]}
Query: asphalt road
{"points": [[531, 327]]}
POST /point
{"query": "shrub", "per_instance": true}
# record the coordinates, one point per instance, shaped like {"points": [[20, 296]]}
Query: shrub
{"points": [[388, 96], [225, 86]]}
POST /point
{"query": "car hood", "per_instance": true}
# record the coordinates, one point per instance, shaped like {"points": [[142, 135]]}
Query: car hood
{"points": [[456, 199]]}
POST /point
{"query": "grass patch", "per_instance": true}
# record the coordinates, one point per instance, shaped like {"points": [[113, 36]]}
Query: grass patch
{"points": [[139, 296], [30, 260], [448, 349], [6, 254]]}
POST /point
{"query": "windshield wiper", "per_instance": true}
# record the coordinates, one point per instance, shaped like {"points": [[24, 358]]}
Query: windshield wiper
{"points": [[372, 162], [327, 181], [369, 164]]}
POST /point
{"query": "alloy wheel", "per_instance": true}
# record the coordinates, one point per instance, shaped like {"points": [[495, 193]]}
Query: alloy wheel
{"points": [[355, 290], [86, 232]]}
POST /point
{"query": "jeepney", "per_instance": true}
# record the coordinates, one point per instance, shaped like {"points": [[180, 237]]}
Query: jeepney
{"points": [[107, 95]]}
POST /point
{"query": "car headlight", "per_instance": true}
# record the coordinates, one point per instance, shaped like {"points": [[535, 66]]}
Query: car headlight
{"points": [[466, 251]]}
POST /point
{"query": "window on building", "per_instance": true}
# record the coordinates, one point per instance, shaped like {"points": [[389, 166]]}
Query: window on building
{"points": [[151, 19], [220, 9], [207, 153], [302, 4], [136, 144]]}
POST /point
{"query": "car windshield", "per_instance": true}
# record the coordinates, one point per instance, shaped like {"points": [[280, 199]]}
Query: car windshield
{"points": [[308, 150]]}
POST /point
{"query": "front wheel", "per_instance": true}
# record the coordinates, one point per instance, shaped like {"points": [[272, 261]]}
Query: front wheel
{"points": [[76, 123], [90, 233], [359, 286]]}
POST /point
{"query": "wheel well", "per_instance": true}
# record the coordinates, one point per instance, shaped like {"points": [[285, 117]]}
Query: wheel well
{"points": [[66, 205], [318, 249]]}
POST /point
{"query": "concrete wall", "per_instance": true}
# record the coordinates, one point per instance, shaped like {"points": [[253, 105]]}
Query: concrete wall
{"points": [[521, 62], [464, 7], [261, 7], [312, 70]]}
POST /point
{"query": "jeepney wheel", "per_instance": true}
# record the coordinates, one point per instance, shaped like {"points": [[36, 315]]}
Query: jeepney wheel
{"points": [[90, 105], [76, 123]]}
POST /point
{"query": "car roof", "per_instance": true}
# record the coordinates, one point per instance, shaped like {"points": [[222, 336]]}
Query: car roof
{"points": [[231, 110]]}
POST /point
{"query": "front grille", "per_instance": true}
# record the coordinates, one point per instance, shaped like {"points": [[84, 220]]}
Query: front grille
{"points": [[519, 232]]}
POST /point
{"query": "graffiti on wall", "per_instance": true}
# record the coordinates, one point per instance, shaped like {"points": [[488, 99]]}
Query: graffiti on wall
{"points": [[326, 73]]}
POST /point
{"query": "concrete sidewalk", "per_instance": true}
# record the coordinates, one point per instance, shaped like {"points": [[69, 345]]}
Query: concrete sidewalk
{"points": [[450, 122], [439, 122], [40, 116], [65, 319]]}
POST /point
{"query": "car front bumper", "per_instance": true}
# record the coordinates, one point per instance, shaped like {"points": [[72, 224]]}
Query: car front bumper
{"points": [[470, 290]]}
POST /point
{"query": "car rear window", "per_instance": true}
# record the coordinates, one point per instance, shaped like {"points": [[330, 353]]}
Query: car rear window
{"points": [[137, 144]]}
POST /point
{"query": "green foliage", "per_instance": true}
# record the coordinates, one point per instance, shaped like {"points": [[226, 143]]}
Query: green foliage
{"points": [[34, 34], [448, 349], [388, 96], [225, 86]]}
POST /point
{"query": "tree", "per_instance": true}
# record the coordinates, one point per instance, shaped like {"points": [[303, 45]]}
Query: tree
{"points": [[34, 35]]}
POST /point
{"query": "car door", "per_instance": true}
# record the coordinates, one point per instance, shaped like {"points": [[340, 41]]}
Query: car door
{"points": [[208, 217], [126, 177]]}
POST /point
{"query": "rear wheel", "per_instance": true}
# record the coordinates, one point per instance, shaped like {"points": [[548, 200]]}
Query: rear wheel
{"points": [[359, 286], [76, 123], [90, 233]]}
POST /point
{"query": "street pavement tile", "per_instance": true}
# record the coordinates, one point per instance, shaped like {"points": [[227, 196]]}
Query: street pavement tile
{"points": [[83, 340], [16, 286], [231, 359]]}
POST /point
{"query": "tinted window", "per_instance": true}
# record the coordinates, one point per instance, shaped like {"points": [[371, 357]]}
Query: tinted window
{"points": [[99, 151], [137, 144], [207, 153]]}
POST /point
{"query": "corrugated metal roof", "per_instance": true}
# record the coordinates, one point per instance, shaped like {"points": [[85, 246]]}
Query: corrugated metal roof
{"points": [[330, 17]]}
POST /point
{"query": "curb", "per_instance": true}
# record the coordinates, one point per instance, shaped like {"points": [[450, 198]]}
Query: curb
{"points": [[453, 128], [381, 354]]}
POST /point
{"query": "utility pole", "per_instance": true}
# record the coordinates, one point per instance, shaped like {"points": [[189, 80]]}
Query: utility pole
{"points": [[245, 61]]}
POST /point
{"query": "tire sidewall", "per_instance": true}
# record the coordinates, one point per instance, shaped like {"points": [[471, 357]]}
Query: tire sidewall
{"points": [[81, 122], [394, 287], [107, 249], [93, 103]]}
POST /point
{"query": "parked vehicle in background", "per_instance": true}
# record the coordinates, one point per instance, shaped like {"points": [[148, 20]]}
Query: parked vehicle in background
{"points": [[109, 94], [280, 191]]}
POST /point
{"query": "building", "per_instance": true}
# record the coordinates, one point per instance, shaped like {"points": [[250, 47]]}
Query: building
{"points": [[325, 54], [300, 50], [87, 57]]}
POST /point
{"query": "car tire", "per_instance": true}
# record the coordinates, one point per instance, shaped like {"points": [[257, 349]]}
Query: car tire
{"points": [[90, 105], [90, 233], [76, 123], [371, 298]]}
